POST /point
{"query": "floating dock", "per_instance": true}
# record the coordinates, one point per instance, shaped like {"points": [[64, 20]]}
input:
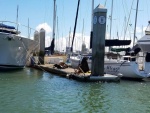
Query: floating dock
{"points": [[105, 78], [70, 73]]}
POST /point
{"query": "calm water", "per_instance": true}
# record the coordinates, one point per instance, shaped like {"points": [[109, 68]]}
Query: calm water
{"points": [[33, 91]]}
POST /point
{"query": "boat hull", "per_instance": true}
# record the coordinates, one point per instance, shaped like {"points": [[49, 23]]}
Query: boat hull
{"points": [[121, 68], [13, 51], [144, 43]]}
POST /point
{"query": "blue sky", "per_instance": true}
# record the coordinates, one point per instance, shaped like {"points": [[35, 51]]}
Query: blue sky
{"points": [[41, 11]]}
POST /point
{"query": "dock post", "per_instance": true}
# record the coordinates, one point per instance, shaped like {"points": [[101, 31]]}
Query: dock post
{"points": [[42, 46], [37, 38], [98, 41]]}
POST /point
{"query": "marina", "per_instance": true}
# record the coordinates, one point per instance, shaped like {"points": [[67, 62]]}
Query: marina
{"points": [[47, 70]]}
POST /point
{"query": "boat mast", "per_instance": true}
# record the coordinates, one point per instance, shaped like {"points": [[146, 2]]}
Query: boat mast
{"points": [[54, 18], [135, 22], [83, 32], [57, 33], [92, 16], [69, 36], [111, 22], [127, 23], [28, 29], [91, 35], [75, 25], [124, 27], [54, 24], [111, 18]]}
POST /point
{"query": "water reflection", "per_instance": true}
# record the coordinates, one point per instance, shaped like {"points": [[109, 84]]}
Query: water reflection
{"points": [[94, 98], [46, 76], [35, 91]]}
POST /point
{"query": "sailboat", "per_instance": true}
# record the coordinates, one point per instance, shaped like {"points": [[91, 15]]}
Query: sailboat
{"points": [[143, 45], [126, 67]]}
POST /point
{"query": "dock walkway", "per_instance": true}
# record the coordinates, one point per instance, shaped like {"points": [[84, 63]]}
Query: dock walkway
{"points": [[69, 73]]}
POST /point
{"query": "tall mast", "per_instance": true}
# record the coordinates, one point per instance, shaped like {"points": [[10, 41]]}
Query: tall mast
{"points": [[54, 18], [92, 16], [28, 29], [111, 18], [75, 25], [57, 32], [69, 36], [124, 27], [91, 35], [54, 24], [135, 22], [83, 31]]}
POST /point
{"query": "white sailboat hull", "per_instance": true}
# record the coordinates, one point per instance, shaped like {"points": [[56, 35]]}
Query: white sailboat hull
{"points": [[117, 67]]}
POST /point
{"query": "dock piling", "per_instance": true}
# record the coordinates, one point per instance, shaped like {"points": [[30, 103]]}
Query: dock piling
{"points": [[98, 41]]}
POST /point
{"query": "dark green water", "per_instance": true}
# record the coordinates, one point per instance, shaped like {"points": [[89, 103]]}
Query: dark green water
{"points": [[33, 91]]}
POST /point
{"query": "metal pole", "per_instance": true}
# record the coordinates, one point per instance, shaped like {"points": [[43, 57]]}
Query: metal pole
{"points": [[135, 22], [91, 35], [75, 25], [92, 16], [54, 19], [111, 18]]}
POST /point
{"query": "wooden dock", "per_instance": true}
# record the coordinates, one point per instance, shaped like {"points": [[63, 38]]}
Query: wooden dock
{"points": [[69, 73]]}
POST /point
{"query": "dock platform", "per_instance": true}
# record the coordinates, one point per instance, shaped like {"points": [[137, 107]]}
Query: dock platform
{"points": [[69, 73]]}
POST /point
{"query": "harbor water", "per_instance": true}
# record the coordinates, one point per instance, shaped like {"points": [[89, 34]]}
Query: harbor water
{"points": [[34, 91]]}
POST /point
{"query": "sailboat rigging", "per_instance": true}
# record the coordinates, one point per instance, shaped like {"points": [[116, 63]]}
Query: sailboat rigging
{"points": [[135, 22]]}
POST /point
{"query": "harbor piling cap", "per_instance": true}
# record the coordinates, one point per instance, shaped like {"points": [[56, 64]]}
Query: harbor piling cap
{"points": [[42, 30], [100, 8]]}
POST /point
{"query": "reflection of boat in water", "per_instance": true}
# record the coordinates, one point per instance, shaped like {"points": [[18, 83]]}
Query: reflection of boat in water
{"points": [[14, 48]]}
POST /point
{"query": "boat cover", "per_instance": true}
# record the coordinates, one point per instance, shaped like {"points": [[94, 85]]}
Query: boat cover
{"points": [[6, 26], [118, 49], [116, 42]]}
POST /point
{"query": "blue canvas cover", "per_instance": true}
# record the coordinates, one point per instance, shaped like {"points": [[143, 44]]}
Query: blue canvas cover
{"points": [[6, 26]]}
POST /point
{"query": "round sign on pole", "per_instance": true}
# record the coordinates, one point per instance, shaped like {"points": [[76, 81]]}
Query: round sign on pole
{"points": [[102, 20], [95, 20]]}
